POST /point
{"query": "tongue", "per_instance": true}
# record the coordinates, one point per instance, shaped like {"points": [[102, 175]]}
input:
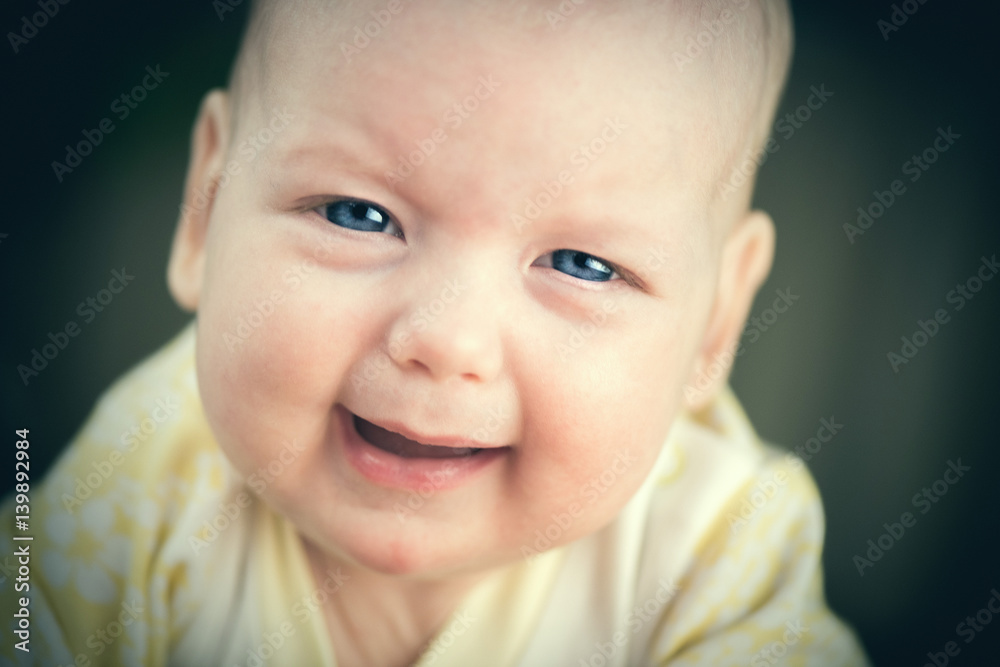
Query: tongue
{"points": [[396, 444]]}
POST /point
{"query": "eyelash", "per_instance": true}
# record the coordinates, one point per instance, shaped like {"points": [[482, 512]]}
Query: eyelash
{"points": [[373, 215]]}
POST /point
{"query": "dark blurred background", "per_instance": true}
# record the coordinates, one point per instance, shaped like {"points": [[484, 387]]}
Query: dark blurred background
{"points": [[826, 357]]}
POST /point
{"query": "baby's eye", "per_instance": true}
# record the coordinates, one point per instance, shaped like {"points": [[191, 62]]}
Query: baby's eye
{"points": [[361, 216], [579, 265]]}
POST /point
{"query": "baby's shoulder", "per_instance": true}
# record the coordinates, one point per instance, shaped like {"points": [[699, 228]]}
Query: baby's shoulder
{"points": [[146, 449], [721, 492], [738, 527], [114, 518]]}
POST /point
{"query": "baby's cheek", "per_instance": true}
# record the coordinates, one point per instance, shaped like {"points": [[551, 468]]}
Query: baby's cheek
{"points": [[579, 485], [248, 379]]}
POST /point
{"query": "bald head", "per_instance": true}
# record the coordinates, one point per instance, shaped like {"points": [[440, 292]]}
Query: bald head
{"points": [[730, 57], [735, 53], [744, 48]]}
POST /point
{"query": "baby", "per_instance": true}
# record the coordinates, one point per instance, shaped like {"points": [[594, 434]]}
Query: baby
{"points": [[463, 275]]}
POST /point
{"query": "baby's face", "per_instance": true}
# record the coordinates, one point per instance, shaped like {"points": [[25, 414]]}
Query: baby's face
{"points": [[493, 240]]}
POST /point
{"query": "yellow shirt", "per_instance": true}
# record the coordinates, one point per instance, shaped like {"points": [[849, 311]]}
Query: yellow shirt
{"points": [[148, 549]]}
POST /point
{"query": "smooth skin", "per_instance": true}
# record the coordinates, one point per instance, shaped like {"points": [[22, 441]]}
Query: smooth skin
{"points": [[650, 193]]}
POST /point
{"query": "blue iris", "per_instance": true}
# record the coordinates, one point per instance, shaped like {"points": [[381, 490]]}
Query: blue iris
{"points": [[358, 215], [581, 265]]}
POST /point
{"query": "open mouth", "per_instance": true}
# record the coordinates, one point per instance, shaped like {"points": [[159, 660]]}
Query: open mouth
{"points": [[401, 446]]}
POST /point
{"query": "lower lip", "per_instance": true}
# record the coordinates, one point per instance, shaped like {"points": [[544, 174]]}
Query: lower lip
{"points": [[414, 474]]}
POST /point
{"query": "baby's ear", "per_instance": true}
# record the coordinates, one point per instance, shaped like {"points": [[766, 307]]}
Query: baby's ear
{"points": [[745, 264], [209, 143]]}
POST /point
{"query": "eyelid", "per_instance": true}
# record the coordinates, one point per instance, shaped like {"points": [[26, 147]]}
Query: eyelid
{"points": [[631, 279], [330, 200], [314, 202]]}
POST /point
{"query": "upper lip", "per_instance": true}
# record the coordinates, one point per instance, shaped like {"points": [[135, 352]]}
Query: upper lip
{"points": [[456, 441]]}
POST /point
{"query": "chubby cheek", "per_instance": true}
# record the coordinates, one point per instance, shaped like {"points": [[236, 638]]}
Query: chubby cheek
{"points": [[272, 352], [596, 421]]}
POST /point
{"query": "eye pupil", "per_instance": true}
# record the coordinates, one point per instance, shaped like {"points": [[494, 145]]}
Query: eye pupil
{"points": [[359, 210]]}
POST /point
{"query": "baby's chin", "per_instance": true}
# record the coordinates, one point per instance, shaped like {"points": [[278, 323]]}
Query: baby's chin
{"points": [[417, 552]]}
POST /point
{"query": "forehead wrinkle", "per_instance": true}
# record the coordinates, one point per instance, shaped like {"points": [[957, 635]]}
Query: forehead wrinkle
{"points": [[705, 141]]}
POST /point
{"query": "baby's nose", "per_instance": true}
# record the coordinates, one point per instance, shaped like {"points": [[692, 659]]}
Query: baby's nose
{"points": [[450, 330]]}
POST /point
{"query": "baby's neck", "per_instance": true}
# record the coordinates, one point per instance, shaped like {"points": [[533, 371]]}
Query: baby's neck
{"points": [[378, 619]]}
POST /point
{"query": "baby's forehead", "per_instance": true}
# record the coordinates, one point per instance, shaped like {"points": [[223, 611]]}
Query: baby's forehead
{"points": [[560, 72], [729, 39]]}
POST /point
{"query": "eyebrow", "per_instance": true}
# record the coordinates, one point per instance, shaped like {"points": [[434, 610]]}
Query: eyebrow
{"points": [[307, 157], [350, 157]]}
